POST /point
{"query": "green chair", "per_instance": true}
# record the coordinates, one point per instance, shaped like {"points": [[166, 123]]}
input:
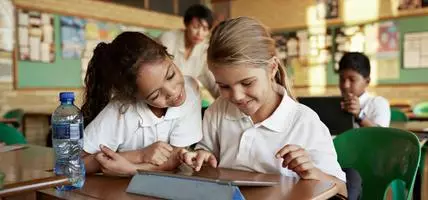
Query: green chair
{"points": [[10, 135], [17, 114], [398, 116], [383, 157], [421, 109]]}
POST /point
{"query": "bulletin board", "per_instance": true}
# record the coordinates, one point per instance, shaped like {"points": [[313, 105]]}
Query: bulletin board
{"points": [[406, 74], [52, 50], [363, 36]]}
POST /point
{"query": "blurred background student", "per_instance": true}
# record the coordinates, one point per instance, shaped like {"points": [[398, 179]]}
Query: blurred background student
{"points": [[354, 78], [190, 45]]}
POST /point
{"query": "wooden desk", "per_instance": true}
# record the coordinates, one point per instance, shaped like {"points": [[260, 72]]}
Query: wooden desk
{"points": [[413, 117], [26, 170], [104, 187], [413, 126]]}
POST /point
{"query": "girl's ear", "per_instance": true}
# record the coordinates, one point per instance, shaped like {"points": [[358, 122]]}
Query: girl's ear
{"points": [[273, 66]]}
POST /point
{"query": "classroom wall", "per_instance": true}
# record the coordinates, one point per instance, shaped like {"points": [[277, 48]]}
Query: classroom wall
{"points": [[289, 14], [45, 101], [293, 14]]}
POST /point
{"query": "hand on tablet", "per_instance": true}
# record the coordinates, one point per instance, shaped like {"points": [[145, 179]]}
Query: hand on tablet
{"points": [[298, 160], [195, 159]]}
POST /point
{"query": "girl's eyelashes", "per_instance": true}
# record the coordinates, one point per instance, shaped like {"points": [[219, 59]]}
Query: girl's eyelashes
{"points": [[170, 76]]}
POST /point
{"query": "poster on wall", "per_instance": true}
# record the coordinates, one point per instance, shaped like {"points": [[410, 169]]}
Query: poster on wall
{"points": [[327, 9], [72, 37], [415, 52], [388, 39], [35, 36], [7, 24], [95, 32], [387, 63]]}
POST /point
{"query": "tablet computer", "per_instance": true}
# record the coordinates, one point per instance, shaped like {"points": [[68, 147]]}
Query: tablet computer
{"points": [[221, 176]]}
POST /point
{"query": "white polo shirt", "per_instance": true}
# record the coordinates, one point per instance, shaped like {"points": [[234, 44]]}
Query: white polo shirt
{"points": [[374, 108], [196, 65], [137, 127], [238, 143]]}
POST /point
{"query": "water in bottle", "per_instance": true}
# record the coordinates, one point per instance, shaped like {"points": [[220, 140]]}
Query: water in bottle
{"points": [[67, 141]]}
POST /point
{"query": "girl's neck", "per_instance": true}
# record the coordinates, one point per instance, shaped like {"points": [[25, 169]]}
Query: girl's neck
{"points": [[267, 108], [158, 112]]}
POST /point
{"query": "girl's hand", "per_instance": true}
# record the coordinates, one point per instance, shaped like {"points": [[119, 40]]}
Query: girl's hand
{"points": [[157, 153], [114, 164], [195, 159], [298, 160]]}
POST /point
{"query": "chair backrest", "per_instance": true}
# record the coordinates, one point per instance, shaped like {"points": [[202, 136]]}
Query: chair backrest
{"points": [[421, 109], [398, 116], [380, 155], [10, 135], [15, 113]]}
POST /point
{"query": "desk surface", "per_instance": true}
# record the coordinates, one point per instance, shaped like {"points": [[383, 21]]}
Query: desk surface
{"points": [[413, 126], [102, 187], [26, 170], [413, 117]]}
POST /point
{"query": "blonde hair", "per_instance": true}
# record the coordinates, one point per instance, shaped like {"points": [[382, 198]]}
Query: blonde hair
{"points": [[245, 40]]}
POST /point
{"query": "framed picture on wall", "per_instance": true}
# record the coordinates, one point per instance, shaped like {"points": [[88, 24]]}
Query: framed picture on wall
{"points": [[35, 36]]}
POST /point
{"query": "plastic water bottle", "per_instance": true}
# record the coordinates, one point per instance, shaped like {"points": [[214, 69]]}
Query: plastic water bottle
{"points": [[67, 141]]}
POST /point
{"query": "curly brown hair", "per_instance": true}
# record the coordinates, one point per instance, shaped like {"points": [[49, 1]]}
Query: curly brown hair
{"points": [[112, 71]]}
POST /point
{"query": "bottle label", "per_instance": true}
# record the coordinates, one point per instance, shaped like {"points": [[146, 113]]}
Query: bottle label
{"points": [[67, 131]]}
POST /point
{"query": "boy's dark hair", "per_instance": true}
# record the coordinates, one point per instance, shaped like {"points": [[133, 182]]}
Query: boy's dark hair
{"points": [[112, 71], [200, 12], [357, 62]]}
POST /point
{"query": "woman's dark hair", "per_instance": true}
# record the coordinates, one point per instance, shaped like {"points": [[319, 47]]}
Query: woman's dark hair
{"points": [[199, 12], [112, 71]]}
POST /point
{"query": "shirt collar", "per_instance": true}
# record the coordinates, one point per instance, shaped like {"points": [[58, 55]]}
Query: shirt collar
{"points": [[279, 120], [148, 118]]}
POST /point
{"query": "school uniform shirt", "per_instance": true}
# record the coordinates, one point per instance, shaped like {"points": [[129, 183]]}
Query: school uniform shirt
{"points": [[374, 108], [136, 127], [238, 143], [196, 64]]}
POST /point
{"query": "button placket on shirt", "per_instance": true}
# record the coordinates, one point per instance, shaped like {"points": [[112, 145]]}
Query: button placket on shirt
{"points": [[246, 142], [162, 132]]}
